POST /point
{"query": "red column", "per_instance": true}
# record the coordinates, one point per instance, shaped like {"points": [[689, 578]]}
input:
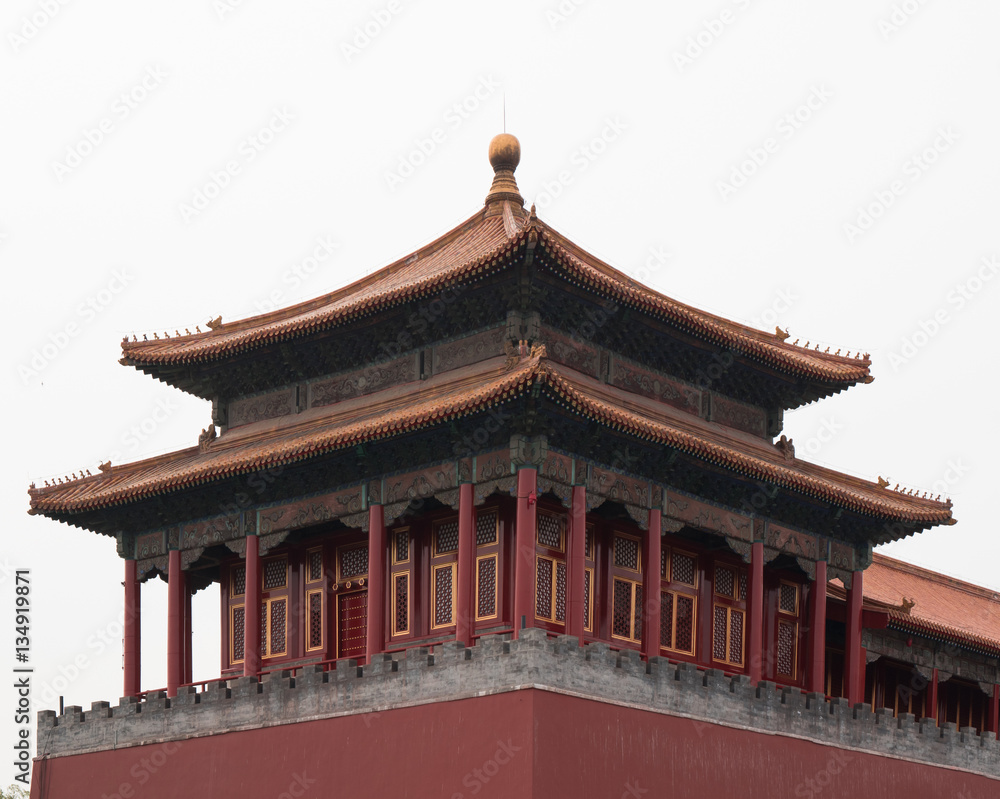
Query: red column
{"points": [[651, 587], [993, 714], [854, 667], [817, 632], [188, 675], [251, 613], [755, 637], [524, 566], [376, 582], [175, 622], [575, 600], [133, 627], [931, 707], [464, 624]]}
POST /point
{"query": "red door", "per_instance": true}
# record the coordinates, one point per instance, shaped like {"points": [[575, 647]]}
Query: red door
{"points": [[352, 624]]}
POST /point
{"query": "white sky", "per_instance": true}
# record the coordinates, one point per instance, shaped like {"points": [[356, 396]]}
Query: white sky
{"points": [[773, 250]]}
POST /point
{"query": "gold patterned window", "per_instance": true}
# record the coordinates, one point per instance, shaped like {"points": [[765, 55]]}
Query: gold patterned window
{"points": [[314, 619], [786, 645], [401, 581], [729, 615], [626, 610], [678, 600]]}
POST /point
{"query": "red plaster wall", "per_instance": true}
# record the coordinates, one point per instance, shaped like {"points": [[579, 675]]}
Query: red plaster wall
{"points": [[514, 745]]}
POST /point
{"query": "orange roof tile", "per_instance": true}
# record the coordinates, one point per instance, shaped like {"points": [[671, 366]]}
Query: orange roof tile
{"points": [[403, 408], [480, 244], [942, 606]]}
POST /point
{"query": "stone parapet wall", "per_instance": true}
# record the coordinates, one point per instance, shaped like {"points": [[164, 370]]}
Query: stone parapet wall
{"points": [[497, 665]]}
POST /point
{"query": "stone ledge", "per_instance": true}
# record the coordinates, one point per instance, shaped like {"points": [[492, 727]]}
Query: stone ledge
{"points": [[496, 665]]}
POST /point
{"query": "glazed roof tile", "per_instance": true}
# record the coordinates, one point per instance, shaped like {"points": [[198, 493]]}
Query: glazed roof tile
{"points": [[480, 244], [445, 396]]}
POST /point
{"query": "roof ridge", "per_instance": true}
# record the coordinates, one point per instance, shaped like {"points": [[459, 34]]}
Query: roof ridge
{"points": [[932, 576]]}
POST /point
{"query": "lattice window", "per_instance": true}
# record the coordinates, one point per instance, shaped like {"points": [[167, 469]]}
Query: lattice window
{"points": [[238, 632], [401, 544], [276, 642], [589, 542], [677, 619], [401, 604], [486, 587], [787, 635], [544, 569], [720, 633], [353, 562], [446, 538], [314, 565], [683, 568], [725, 581], [623, 609], [486, 528], [626, 553], [727, 634], [684, 624], [664, 563], [743, 587], [239, 583], [314, 604], [788, 599], [588, 577], [560, 591], [550, 531], [444, 595], [275, 573]]}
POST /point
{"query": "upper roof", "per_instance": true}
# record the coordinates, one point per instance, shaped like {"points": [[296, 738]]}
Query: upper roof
{"points": [[490, 240], [412, 406], [922, 601]]}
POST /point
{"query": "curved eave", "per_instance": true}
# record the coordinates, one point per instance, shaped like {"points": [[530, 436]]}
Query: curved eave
{"points": [[765, 348], [943, 633]]}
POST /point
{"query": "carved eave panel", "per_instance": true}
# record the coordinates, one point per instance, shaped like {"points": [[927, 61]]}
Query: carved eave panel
{"points": [[925, 655]]}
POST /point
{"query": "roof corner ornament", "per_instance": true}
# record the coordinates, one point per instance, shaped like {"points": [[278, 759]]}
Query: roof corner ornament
{"points": [[104, 467], [211, 324], [882, 482], [782, 334], [206, 437], [785, 446]]}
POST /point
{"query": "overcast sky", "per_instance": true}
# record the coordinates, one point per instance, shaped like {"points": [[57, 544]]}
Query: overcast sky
{"points": [[830, 168]]}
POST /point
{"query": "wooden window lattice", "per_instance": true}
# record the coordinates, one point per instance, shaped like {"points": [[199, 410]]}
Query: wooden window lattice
{"points": [[719, 633], [446, 537], [724, 581], [239, 581], [743, 587], [786, 648], [682, 568], [622, 614], [788, 599], [315, 620], [275, 573], [354, 562], [315, 565], [684, 640], [444, 600], [401, 590], [587, 577], [402, 543], [550, 531], [486, 588], [486, 528], [560, 591], [239, 634], [626, 553], [543, 588]]}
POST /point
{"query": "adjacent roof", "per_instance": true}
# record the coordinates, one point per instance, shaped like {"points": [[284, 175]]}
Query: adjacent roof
{"points": [[413, 406], [942, 607]]}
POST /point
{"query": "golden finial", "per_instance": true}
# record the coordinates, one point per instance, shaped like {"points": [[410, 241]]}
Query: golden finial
{"points": [[505, 155]]}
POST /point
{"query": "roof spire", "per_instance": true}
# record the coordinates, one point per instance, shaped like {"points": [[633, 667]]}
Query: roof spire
{"points": [[505, 154]]}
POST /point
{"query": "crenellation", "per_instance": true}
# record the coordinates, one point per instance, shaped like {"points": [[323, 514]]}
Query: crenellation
{"points": [[453, 671]]}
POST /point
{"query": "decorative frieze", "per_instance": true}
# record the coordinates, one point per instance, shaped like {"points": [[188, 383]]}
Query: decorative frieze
{"points": [[471, 349], [925, 655], [631, 377], [360, 382], [266, 406], [711, 518], [573, 353], [791, 542], [739, 415]]}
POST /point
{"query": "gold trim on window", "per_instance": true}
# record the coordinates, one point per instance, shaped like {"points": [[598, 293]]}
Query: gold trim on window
{"points": [[232, 580], [560, 522], [396, 535], [437, 528], [588, 621], [308, 565], [636, 604], [638, 552], [322, 620], [341, 577], [496, 586], [673, 622], [434, 595], [553, 589], [798, 593], [729, 639], [265, 645], [232, 633], [395, 602]]}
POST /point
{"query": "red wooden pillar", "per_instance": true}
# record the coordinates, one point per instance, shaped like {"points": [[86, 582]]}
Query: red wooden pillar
{"points": [[993, 713], [464, 624], [931, 707], [133, 627], [188, 675], [854, 665], [251, 613], [755, 638], [524, 566], [817, 632], [651, 586], [575, 599], [175, 622], [375, 638]]}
